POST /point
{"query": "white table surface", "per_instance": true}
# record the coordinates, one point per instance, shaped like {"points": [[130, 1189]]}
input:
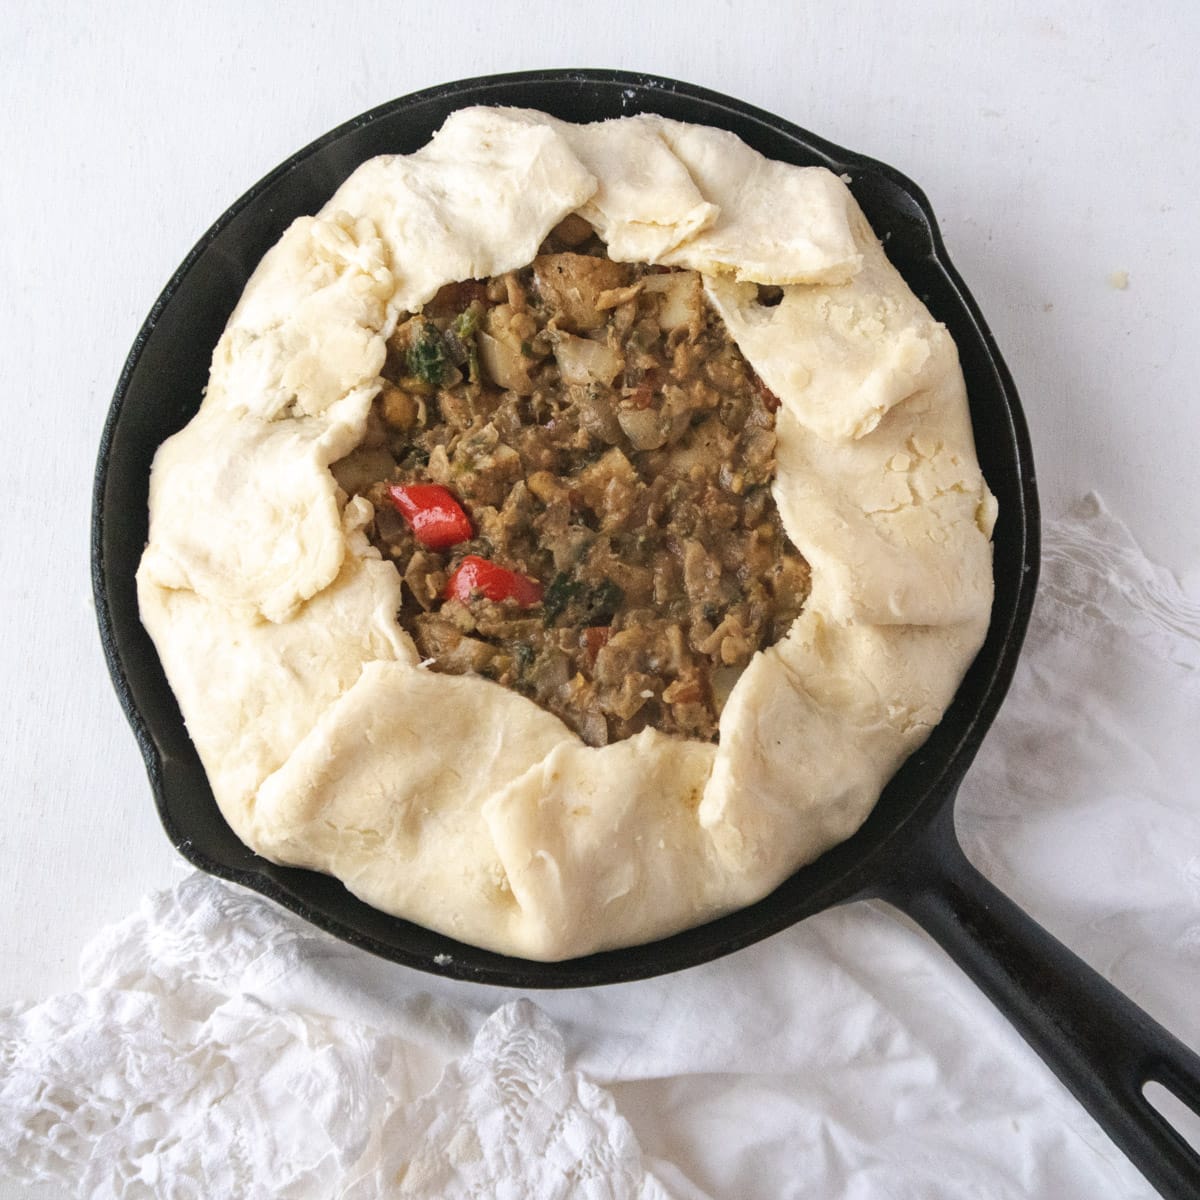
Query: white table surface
{"points": [[1056, 142]]}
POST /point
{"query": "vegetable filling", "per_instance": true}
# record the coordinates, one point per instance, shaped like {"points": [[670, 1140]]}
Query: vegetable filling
{"points": [[570, 466]]}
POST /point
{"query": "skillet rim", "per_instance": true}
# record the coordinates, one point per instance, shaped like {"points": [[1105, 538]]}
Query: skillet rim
{"points": [[857, 867]]}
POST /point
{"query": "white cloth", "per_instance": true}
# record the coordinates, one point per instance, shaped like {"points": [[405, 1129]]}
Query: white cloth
{"points": [[219, 1047]]}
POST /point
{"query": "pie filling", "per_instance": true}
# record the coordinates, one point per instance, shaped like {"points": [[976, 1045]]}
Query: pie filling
{"points": [[570, 466]]}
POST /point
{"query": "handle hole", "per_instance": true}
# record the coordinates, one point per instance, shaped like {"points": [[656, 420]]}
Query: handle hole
{"points": [[1180, 1116]]}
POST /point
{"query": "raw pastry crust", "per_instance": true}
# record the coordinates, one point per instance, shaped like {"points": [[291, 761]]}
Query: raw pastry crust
{"points": [[452, 801]]}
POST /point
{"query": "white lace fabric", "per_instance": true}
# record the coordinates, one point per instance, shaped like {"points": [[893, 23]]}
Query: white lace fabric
{"points": [[174, 1071], [217, 1046]]}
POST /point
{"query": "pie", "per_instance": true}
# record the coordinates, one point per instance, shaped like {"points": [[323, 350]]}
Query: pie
{"points": [[581, 525]]}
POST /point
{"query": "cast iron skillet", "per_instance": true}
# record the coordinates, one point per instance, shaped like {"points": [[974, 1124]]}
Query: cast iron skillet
{"points": [[1100, 1044]]}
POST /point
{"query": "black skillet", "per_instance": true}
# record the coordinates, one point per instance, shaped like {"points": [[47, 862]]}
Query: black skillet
{"points": [[1100, 1044]]}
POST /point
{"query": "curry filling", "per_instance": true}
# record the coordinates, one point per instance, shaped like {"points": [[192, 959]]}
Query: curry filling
{"points": [[570, 466]]}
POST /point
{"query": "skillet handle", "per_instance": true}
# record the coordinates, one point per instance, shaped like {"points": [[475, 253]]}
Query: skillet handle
{"points": [[1097, 1041]]}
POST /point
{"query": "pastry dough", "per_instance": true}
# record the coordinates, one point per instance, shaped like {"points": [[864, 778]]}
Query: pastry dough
{"points": [[450, 800]]}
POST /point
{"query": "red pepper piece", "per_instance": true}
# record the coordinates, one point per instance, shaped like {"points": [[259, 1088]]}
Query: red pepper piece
{"points": [[477, 576], [437, 519], [595, 638], [769, 399], [643, 395]]}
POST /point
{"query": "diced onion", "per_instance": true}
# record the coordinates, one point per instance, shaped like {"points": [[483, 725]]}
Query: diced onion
{"points": [[505, 365], [644, 427], [580, 360], [683, 302]]}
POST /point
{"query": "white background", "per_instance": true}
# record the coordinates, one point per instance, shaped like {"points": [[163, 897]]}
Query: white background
{"points": [[1056, 142]]}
